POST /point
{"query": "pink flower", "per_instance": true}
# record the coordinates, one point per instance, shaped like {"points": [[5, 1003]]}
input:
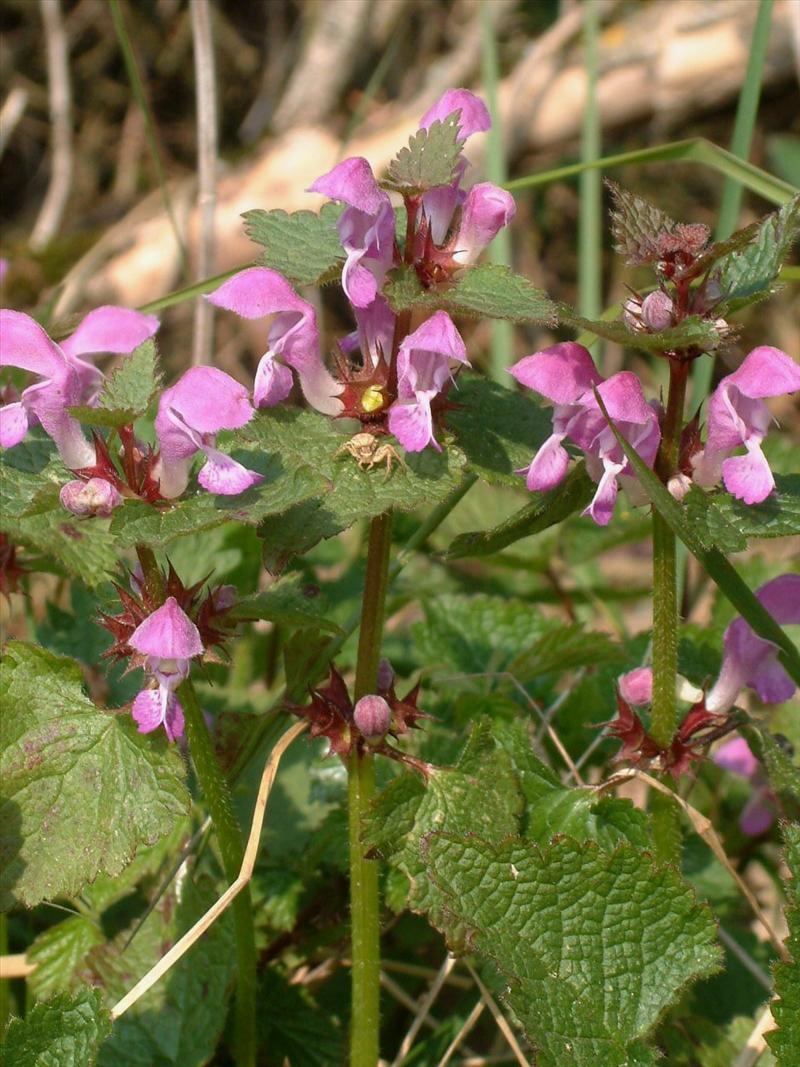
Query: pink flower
{"points": [[487, 209], [170, 640], [374, 336], [759, 812], [473, 118], [749, 660], [66, 379], [94, 497], [738, 416], [566, 374], [636, 687], [190, 414], [292, 339], [425, 362], [366, 227]]}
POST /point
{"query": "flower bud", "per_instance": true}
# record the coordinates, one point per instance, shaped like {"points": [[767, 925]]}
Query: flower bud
{"points": [[373, 716], [657, 311], [223, 598], [95, 497], [385, 676]]}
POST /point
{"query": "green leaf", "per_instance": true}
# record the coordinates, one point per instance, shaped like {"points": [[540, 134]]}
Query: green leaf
{"points": [[749, 273], [294, 1028], [777, 516], [59, 952], [476, 634], [179, 1021], [499, 431], [703, 513], [693, 332], [429, 160], [785, 1041], [716, 565], [595, 945], [31, 514], [73, 774], [63, 1032], [302, 246], [291, 601], [636, 224], [562, 649], [544, 511], [127, 392], [301, 653], [305, 440], [281, 488], [488, 290]]}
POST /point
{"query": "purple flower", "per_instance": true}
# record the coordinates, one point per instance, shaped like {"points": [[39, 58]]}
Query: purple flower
{"points": [[425, 363], [94, 497], [366, 227], [292, 339], [374, 336], [190, 414], [738, 416], [474, 116], [566, 374], [487, 209], [66, 379], [759, 812], [749, 660], [169, 639]]}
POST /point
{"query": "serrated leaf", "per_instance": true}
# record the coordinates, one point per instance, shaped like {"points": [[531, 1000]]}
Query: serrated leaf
{"points": [[476, 634], [594, 944], [82, 790], [127, 392], [499, 431], [777, 516], [294, 1028], [302, 246], [65, 1031], [693, 332], [292, 601], [59, 952], [281, 487], [31, 514], [179, 1021], [785, 1041], [709, 521], [484, 291], [545, 510], [305, 440], [635, 225], [429, 160], [748, 273], [562, 649]]}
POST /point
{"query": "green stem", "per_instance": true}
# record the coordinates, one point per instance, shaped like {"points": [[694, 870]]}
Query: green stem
{"points": [[364, 914], [664, 709], [5, 983], [229, 835], [220, 805], [590, 237]]}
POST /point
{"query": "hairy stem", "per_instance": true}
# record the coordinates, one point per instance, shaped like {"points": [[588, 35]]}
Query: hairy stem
{"points": [[220, 805], [229, 835], [365, 1005], [664, 710]]}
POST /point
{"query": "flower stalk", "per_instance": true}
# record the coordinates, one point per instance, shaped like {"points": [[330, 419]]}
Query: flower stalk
{"points": [[220, 805], [365, 1003]]}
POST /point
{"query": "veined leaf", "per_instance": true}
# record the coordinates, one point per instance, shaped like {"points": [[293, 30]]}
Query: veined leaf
{"points": [[302, 246], [127, 392]]}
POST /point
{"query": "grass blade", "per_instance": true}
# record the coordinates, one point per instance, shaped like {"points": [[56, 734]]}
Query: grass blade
{"points": [[590, 229]]}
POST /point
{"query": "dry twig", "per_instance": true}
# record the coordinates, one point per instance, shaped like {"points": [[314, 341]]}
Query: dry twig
{"points": [[183, 944], [60, 93], [10, 114]]}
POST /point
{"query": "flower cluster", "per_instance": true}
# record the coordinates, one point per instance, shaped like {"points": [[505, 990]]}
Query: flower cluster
{"points": [[748, 662], [388, 378], [737, 418]]}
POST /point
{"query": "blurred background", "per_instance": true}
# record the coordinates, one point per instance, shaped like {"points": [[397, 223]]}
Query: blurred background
{"points": [[100, 146]]}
